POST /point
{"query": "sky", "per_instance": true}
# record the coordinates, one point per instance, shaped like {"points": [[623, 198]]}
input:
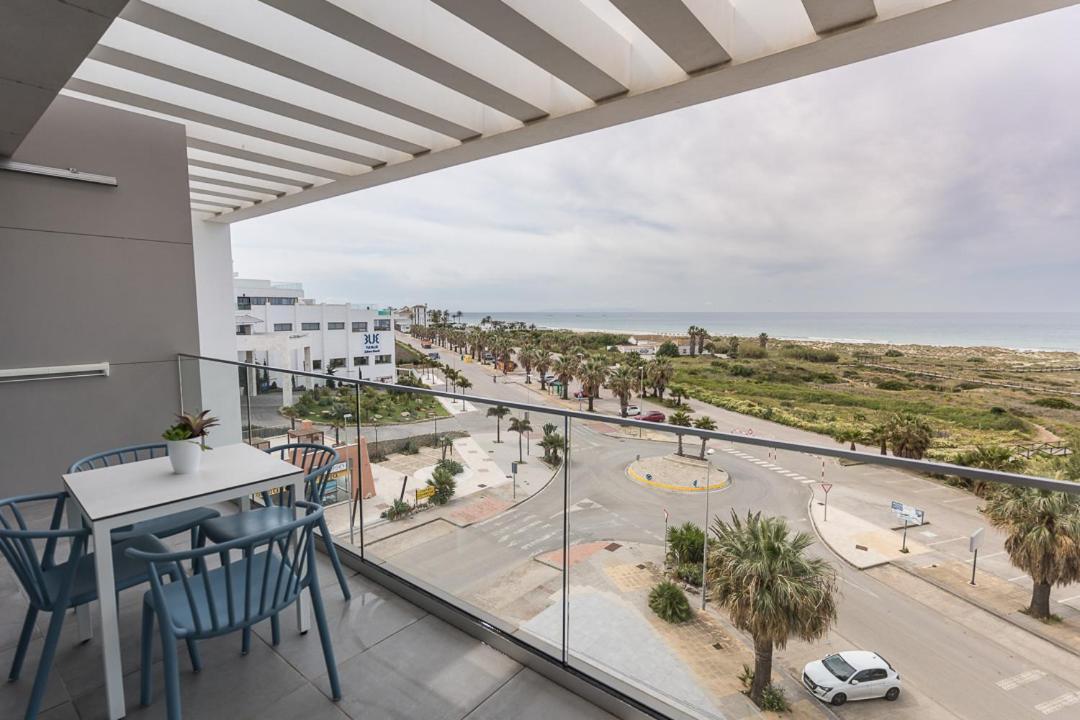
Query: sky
{"points": [[942, 178]]}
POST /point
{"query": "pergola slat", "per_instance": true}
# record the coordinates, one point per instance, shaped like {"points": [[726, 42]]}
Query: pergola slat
{"points": [[676, 31]]}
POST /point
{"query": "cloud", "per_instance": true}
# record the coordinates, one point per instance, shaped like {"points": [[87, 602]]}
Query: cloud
{"points": [[941, 178]]}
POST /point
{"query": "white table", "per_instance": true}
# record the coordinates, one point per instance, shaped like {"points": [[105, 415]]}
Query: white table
{"points": [[112, 497]]}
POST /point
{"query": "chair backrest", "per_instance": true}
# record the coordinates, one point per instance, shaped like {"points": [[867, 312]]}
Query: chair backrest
{"points": [[277, 565], [17, 544], [119, 456], [316, 461]]}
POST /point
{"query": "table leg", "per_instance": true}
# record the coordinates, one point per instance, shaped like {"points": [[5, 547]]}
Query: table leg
{"points": [[110, 623], [83, 621], [303, 603]]}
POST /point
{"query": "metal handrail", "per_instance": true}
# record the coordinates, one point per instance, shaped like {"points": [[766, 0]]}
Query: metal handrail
{"points": [[920, 466]]}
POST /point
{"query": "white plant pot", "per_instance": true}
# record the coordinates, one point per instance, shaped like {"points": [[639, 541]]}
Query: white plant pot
{"points": [[184, 456]]}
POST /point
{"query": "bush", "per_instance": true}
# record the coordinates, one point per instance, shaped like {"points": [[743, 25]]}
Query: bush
{"points": [[397, 511], [976, 359], [893, 353], [453, 466], [1056, 403], [810, 354], [772, 698], [669, 602], [377, 457], [667, 349], [892, 385], [686, 543], [741, 370], [689, 573], [445, 486], [410, 448], [752, 351]]}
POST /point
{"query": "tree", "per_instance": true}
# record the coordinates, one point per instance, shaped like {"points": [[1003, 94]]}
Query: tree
{"points": [[464, 383], [621, 381], [679, 418], [879, 434], [1043, 529], [565, 369], [660, 371], [704, 423], [993, 457], [763, 341], [527, 358], [733, 346], [498, 412], [667, 349], [551, 444], [693, 331], [678, 392], [686, 544], [543, 361], [592, 372], [446, 443], [520, 426], [909, 435], [760, 574]]}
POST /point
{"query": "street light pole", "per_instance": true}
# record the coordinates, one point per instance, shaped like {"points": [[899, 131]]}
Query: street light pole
{"points": [[705, 547]]}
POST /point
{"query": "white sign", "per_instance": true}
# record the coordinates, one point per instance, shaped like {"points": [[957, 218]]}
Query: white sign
{"points": [[371, 343], [975, 541], [908, 513]]}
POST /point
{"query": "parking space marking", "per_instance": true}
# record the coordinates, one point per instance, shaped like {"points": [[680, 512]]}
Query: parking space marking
{"points": [[1028, 676], [1058, 703]]}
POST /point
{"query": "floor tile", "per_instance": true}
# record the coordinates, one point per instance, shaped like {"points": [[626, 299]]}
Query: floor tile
{"points": [[530, 696]]}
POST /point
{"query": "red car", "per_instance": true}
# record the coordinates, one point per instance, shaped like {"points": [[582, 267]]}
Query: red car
{"points": [[654, 416]]}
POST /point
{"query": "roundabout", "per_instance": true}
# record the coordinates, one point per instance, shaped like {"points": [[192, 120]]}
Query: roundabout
{"points": [[678, 473]]}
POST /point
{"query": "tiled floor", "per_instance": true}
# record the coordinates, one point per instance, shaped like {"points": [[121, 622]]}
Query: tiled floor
{"points": [[394, 659]]}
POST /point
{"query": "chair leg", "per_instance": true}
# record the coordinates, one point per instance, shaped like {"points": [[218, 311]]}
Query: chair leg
{"points": [[334, 560], [193, 653], [172, 672], [24, 642], [327, 643], [275, 629], [146, 677], [245, 640], [48, 651]]}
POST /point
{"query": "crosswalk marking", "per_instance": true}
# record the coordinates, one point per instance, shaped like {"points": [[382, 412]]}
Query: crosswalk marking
{"points": [[1061, 701], [1028, 676]]}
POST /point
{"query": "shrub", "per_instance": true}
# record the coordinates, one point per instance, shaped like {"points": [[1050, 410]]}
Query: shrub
{"points": [[976, 359], [669, 602], [892, 352], [409, 449], [752, 351], [689, 573], [453, 466], [445, 486], [397, 511], [892, 385], [667, 349], [686, 543], [810, 354], [1056, 403], [772, 699], [741, 370], [377, 456]]}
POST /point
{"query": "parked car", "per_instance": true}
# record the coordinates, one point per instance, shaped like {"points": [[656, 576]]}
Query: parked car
{"points": [[581, 395], [851, 675], [426, 346], [654, 416], [632, 410], [433, 355]]}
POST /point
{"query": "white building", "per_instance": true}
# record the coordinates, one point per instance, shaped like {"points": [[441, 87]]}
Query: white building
{"points": [[277, 325]]}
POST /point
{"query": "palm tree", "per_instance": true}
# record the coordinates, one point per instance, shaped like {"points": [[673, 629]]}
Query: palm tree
{"points": [[1043, 537], [678, 392], [464, 383], [591, 372], [527, 358], [551, 444], [621, 381], [520, 426], [763, 340], [542, 360], [704, 423], [759, 572], [498, 412], [679, 418], [703, 335], [693, 331], [879, 434], [909, 435], [660, 372], [565, 368]]}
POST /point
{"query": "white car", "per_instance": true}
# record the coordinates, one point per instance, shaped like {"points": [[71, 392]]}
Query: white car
{"points": [[851, 675], [632, 410]]}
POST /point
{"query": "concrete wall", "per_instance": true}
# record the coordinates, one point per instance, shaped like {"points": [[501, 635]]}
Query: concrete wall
{"points": [[92, 273]]}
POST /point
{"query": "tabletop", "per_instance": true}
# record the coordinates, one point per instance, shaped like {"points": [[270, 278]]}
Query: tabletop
{"points": [[119, 489]]}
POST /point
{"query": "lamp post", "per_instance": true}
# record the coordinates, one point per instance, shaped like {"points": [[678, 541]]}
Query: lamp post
{"points": [[435, 419], [705, 553], [377, 418]]}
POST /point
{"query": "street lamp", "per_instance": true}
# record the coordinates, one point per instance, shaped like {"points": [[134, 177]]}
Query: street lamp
{"points": [[377, 418], [705, 553], [435, 418]]}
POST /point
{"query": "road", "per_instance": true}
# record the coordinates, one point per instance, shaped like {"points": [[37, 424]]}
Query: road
{"points": [[955, 661]]}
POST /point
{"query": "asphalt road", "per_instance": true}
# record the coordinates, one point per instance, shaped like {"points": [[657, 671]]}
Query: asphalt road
{"points": [[951, 666]]}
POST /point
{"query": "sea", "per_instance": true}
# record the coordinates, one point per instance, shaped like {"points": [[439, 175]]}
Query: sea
{"points": [[1029, 331]]}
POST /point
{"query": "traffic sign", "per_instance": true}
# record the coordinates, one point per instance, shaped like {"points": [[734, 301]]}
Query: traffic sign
{"points": [[975, 541], [825, 487], [907, 513]]}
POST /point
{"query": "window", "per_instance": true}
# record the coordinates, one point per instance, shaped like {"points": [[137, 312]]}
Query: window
{"points": [[243, 303], [335, 326], [359, 327], [382, 324], [282, 327], [337, 363], [382, 359], [309, 326], [878, 674], [282, 301], [360, 360], [243, 329], [316, 364], [838, 667]]}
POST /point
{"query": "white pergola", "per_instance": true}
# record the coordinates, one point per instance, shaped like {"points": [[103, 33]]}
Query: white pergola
{"points": [[291, 101]]}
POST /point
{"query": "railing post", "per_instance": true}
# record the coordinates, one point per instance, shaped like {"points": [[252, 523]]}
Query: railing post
{"points": [[566, 542]]}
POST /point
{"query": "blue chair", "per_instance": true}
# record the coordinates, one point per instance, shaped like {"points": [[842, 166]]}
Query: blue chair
{"points": [[317, 460], [55, 587], [269, 571], [167, 526]]}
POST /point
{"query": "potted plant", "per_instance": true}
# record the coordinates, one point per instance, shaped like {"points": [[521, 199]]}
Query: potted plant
{"points": [[187, 439]]}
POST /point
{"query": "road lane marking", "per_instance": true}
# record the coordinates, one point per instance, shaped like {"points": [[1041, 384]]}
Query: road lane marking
{"points": [[1058, 703], [806, 482], [959, 499], [1070, 599], [942, 542], [1002, 552], [1018, 577], [1028, 676], [859, 587]]}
